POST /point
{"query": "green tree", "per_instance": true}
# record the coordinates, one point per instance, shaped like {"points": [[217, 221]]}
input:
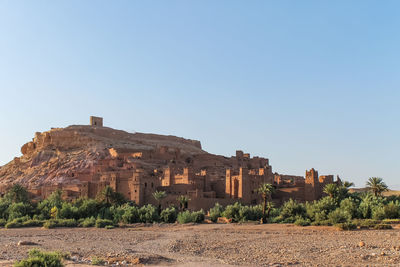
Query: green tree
{"points": [[266, 190], [159, 196], [347, 184], [109, 196], [183, 202], [17, 193], [331, 190], [376, 186]]}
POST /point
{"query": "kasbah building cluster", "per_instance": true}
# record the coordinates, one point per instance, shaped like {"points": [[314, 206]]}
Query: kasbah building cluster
{"points": [[208, 183]]}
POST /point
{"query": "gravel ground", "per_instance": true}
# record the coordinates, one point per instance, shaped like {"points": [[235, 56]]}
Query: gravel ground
{"points": [[212, 245]]}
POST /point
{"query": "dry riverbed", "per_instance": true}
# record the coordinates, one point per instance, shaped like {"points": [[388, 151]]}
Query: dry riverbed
{"points": [[210, 245]]}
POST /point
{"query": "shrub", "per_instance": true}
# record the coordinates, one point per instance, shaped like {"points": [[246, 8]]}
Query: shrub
{"points": [[18, 210], [216, 212], [148, 214], [291, 209], [68, 211], [350, 206], [365, 223], [339, 216], [188, 217], [198, 216], [33, 223], [368, 203], [86, 207], [102, 223], [346, 226], [13, 224], [391, 221], [184, 217], [383, 226], [39, 258], [98, 261], [2, 222], [322, 223], [169, 215], [54, 223], [131, 215], [232, 212], [109, 227], [88, 222], [319, 210], [378, 212], [392, 210], [302, 222]]}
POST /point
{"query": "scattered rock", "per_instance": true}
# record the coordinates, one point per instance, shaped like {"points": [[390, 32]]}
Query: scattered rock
{"points": [[361, 244]]}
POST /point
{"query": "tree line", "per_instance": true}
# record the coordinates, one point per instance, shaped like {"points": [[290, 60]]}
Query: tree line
{"points": [[109, 209]]}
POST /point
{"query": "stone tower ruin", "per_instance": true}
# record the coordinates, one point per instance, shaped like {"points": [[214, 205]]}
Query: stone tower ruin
{"points": [[96, 121]]}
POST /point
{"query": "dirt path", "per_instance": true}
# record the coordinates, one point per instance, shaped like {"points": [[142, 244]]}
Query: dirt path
{"points": [[213, 245]]}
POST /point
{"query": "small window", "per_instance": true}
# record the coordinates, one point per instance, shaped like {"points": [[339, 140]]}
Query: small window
{"points": [[145, 184], [152, 185]]}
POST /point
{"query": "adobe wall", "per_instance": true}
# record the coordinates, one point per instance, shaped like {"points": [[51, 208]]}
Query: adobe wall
{"points": [[284, 194]]}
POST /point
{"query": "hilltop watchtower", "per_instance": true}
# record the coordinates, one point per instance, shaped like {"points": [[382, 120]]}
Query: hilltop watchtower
{"points": [[96, 121]]}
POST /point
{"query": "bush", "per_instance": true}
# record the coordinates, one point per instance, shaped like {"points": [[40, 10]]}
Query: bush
{"points": [[365, 223], [318, 210], [382, 226], [378, 212], [148, 214], [302, 222], [391, 221], [2, 222], [13, 224], [33, 223], [188, 217], [98, 261], [38, 258], [109, 227], [339, 216], [169, 215], [232, 212], [198, 216], [216, 212], [131, 215], [322, 223], [184, 217], [54, 223], [368, 204], [102, 223], [346, 226], [350, 206], [68, 211], [88, 222], [291, 210], [18, 210], [392, 210]]}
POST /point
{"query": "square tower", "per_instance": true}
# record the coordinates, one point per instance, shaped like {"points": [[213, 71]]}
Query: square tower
{"points": [[96, 121]]}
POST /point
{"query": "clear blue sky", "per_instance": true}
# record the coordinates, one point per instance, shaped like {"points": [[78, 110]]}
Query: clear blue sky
{"points": [[304, 83]]}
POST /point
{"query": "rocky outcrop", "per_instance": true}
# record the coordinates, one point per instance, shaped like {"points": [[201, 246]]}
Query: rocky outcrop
{"points": [[55, 156]]}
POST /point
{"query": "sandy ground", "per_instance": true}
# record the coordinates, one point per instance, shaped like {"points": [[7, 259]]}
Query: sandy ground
{"points": [[211, 245]]}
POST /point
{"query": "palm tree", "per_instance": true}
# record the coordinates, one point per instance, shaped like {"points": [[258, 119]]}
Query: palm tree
{"points": [[266, 190], [343, 189], [376, 185], [331, 190], [347, 184], [159, 196], [183, 202], [106, 195]]}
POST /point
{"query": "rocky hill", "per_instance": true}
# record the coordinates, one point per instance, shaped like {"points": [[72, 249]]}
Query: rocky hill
{"points": [[54, 156]]}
